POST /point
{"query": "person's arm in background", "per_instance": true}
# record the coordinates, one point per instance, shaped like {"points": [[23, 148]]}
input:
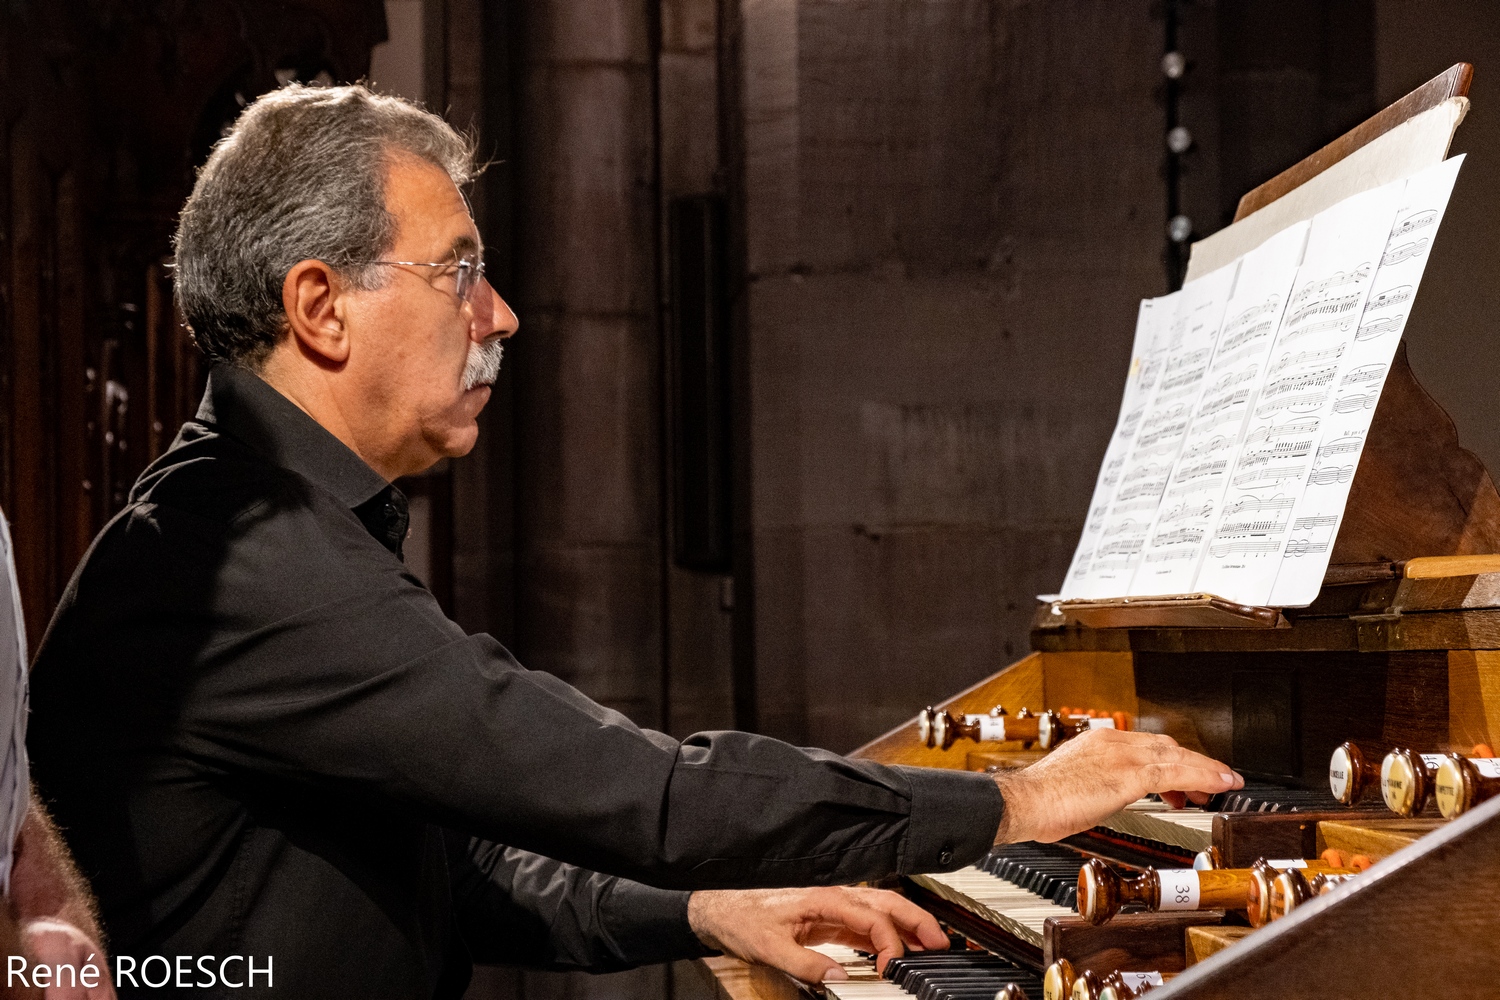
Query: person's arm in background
{"points": [[54, 908]]}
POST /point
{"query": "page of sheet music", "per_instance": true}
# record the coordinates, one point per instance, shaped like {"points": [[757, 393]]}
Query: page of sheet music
{"points": [[1361, 377], [1301, 391], [1189, 509], [1191, 336], [1145, 365]]}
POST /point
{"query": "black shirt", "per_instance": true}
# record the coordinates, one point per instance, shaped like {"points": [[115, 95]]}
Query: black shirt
{"points": [[263, 737]]}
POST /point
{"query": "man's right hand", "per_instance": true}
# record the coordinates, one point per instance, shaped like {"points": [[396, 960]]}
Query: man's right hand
{"points": [[1098, 773]]}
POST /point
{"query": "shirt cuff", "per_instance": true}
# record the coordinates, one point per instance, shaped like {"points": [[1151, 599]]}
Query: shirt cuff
{"points": [[954, 818], [651, 925]]}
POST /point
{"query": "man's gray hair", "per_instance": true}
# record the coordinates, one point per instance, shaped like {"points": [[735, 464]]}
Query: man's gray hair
{"points": [[301, 175]]}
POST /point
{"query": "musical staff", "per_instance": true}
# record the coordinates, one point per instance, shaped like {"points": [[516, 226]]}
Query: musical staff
{"points": [[1404, 252], [1309, 523], [1186, 511], [1301, 547], [1329, 475], [1290, 360], [1385, 300], [1364, 373], [1179, 536], [1200, 470], [1258, 505], [1295, 428], [1251, 546], [1336, 280], [1218, 442], [1413, 222], [1325, 326], [1299, 382], [1271, 475], [1343, 446], [1355, 403], [1262, 527], [1380, 327], [1301, 401], [1248, 335], [1325, 307]]}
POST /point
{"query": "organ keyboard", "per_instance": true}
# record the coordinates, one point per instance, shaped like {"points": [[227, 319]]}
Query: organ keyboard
{"points": [[1400, 650], [950, 975]]}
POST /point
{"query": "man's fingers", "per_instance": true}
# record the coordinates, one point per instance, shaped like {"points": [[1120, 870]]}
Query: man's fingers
{"points": [[918, 928], [1164, 777], [870, 924], [804, 963]]}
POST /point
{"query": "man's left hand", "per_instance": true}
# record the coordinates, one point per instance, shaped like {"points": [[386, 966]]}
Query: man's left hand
{"points": [[773, 926]]}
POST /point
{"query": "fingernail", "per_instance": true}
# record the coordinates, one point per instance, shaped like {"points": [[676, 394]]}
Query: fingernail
{"points": [[835, 975]]}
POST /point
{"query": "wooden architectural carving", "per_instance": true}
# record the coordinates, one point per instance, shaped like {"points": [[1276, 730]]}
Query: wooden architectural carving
{"points": [[107, 110], [1417, 491]]}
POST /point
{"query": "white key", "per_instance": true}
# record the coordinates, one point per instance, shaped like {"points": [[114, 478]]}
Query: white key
{"points": [[1005, 904]]}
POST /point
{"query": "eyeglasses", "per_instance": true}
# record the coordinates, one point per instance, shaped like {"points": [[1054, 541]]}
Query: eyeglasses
{"points": [[465, 284]]}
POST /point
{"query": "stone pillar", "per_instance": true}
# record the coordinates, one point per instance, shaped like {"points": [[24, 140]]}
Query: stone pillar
{"points": [[588, 358]]}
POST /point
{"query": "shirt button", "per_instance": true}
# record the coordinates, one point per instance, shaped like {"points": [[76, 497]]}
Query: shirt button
{"points": [[945, 856]]}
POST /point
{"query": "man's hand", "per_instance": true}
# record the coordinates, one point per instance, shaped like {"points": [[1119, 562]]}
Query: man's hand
{"points": [[771, 926], [53, 943], [1098, 773]]}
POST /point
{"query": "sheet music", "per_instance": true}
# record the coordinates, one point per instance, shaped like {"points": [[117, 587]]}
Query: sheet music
{"points": [[1192, 318], [1302, 389], [1151, 323], [1361, 377], [1250, 397], [1190, 508]]}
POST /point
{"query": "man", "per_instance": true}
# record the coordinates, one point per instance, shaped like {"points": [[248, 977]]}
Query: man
{"points": [[48, 917], [265, 739]]}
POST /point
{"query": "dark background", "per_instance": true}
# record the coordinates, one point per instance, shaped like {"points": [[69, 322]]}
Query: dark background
{"points": [[802, 467]]}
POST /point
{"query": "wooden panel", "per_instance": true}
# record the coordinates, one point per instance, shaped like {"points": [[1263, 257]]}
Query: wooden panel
{"points": [[1205, 941], [1452, 83], [1243, 838], [1428, 630], [1418, 492], [736, 980], [1325, 699], [1378, 838], [1415, 923], [1437, 567], [1132, 941], [1105, 681], [1019, 684], [1473, 697]]}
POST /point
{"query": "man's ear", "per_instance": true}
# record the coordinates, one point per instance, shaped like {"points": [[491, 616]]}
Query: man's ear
{"points": [[310, 296]]}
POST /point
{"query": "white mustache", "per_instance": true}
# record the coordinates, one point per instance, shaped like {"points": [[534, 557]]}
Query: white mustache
{"points": [[483, 364]]}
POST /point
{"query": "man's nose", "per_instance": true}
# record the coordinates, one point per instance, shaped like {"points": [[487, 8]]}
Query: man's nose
{"points": [[492, 317]]}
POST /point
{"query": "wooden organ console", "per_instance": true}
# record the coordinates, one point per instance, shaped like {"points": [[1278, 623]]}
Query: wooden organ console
{"points": [[1400, 651]]}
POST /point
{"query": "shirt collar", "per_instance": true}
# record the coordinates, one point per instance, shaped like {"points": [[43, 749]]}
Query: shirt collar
{"points": [[241, 404]]}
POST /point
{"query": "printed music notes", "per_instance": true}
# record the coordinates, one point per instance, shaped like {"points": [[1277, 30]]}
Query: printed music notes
{"points": [[1145, 366], [1313, 347], [1216, 433], [1250, 396], [1361, 376], [1185, 332]]}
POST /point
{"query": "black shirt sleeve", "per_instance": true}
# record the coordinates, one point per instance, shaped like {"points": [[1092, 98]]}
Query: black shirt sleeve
{"points": [[288, 645], [521, 909]]}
